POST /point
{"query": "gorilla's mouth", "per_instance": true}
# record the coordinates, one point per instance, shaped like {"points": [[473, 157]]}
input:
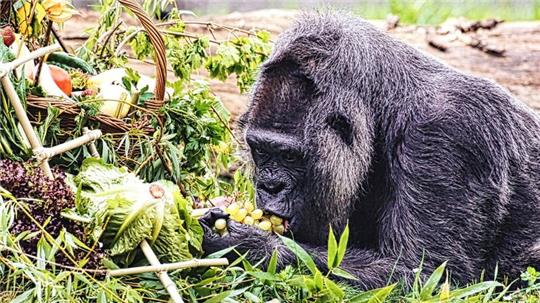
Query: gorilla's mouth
{"points": [[286, 224], [290, 226]]}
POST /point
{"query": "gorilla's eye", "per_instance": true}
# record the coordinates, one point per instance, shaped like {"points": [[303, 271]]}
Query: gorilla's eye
{"points": [[290, 157], [258, 151]]}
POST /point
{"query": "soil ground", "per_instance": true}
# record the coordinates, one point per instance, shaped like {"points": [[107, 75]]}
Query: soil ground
{"points": [[518, 70]]}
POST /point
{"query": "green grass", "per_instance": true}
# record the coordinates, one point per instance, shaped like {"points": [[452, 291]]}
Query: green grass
{"points": [[22, 280], [37, 278], [437, 11], [414, 11]]}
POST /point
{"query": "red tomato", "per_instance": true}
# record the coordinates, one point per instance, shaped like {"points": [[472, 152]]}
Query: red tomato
{"points": [[8, 35]]}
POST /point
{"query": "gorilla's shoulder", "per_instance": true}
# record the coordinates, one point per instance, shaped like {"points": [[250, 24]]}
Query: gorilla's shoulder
{"points": [[469, 92]]}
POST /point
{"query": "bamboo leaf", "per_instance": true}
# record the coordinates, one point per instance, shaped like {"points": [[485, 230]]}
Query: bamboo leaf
{"points": [[427, 291], [381, 295], [224, 295], [301, 254], [318, 278], [221, 253], [24, 297], [343, 274], [263, 276], [272, 264], [468, 291], [373, 296], [334, 289], [332, 249], [343, 241]]}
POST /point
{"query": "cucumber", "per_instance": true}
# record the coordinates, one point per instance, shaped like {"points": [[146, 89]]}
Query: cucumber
{"points": [[61, 65], [71, 61]]}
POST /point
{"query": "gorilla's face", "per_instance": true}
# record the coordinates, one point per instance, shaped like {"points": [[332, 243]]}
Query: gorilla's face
{"points": [[280, 171], [275, 135], [310, 158]]}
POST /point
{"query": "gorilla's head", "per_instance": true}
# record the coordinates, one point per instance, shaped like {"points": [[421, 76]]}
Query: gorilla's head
{"points": [[310, 127]]}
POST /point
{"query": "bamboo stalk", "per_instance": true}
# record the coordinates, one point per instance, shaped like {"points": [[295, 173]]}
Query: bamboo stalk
{"points": [[92, 146], [45, 153], [162, 275], [7, 67], [169, 266], [20, 112]]}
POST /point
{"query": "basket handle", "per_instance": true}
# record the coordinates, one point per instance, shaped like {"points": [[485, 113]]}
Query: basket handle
{"points": [[159, 48]]}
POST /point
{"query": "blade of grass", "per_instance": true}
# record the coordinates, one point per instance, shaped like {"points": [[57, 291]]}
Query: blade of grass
{"points": [[301, 254], [432, 282]]}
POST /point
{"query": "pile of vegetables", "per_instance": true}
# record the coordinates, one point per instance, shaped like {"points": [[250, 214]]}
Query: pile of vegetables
{"points": [[123, 211], [104, 207], [53, 79], [67, 76]]}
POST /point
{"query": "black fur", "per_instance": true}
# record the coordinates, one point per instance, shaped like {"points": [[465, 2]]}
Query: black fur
{"points": [[423, 161]]}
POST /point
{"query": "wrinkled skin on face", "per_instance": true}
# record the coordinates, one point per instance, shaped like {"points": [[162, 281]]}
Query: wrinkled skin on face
{"points": [[424, 163], [280, 170]]}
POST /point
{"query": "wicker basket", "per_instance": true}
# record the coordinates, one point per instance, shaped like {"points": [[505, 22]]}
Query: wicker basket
{"points": [[37, 106]]}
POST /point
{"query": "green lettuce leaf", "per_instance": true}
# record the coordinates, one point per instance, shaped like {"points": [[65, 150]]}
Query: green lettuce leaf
{"points": [[125, 211]]}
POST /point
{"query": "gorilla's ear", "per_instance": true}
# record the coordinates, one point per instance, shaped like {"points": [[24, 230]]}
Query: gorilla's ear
{"points": [[341, 124]]}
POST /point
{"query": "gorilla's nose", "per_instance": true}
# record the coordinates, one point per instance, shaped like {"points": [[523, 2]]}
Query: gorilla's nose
{"points": [[272, 186]]}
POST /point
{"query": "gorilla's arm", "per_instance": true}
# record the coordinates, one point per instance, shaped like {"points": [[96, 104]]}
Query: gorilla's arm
{"points": [[371, 269]]}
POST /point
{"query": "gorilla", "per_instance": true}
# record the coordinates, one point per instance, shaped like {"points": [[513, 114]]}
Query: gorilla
{"points": [[426, 164]]}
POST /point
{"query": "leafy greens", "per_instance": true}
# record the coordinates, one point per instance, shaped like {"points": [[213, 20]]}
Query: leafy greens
{"points": [[124, 211]]}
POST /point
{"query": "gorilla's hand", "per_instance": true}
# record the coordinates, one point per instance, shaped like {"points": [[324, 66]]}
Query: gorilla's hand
{"points": [[245, 238]]}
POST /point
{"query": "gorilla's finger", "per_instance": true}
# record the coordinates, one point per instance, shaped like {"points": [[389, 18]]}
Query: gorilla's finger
{"points": [[207, 229], [212, 215]]}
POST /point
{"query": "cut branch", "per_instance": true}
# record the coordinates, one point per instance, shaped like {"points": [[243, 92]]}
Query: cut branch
{"points": [[169, 267]]}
